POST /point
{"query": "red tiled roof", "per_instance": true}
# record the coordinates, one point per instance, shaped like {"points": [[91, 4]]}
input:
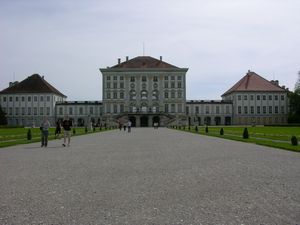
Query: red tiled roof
{"points": [[144, 62], [32, 84], [253, 82]]}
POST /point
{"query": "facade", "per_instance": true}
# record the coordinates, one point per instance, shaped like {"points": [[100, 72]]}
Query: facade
{"points": [[28, 102], [145, 91]]}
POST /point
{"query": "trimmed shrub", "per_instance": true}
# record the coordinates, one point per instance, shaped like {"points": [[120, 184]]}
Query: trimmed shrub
{"points": [[222, 131], [86, 129], [196, 129], [189, 128], [294, 140], [94, 129], [29, 136], [74, 131], [206, 129], [100, 128], [245, 133]]}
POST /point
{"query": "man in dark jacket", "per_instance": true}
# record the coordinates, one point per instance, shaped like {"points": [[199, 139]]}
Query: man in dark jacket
{"points": [[67, 124]]}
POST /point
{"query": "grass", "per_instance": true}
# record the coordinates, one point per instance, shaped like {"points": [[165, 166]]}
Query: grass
{"points": [[15, 136], [277, 137]]}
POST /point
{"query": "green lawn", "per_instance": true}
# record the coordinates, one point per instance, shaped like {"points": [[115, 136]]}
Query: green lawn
{"points": [[278, 137], [15, 136]]}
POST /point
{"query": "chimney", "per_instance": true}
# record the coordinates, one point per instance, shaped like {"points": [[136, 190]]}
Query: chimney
{"points": [[277, 82], [127, 58], [160, 58], [119, 61]]}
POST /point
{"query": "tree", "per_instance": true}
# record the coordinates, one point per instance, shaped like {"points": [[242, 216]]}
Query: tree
{"points": [[294, 101], [3, 120]]}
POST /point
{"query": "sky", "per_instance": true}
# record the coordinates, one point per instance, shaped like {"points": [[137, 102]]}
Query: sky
{"points": [[67, 41]]}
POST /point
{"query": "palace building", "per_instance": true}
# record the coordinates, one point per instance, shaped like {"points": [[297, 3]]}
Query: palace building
{"points": [[146, 90]]}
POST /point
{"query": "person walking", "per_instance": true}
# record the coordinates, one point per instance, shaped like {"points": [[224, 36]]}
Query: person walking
{"points": [[129, 126], [45, 125], [58, 129], [67, 124]]}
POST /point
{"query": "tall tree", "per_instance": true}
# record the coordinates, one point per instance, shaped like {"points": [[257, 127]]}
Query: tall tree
{"points": [[3, 120], [297, 85], [294, 100]]}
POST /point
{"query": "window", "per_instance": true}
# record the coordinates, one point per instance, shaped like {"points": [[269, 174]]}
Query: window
{"points": [[48, 98], [91, 110], [270, 97], [48, 111], [179, 94], [115, 109], [172, 108], [80, 110], [282, 109], [23, 111], [276, 97], [10, 110], [4, 99], [35, 110], [60, 110], [121, 108], [115, 94], [218, 110], [197, 109], [264, 109], [166, 108], [115, 85], [173, 85], [282, 97], [227, 109], [263, 97], [239, 97], [17, 98], [166, 78], [23, 99], [107, 85], [239, 110], [29, 98], [70, 111], [132, 79], [166, 95], [35, 98], [144, 79], [10, 99], [252, 109], [172, 77], [108, 78], [115, 78], [155, 79], [121, 78], [121, 85], [179, 84], [245, 109], [121, 95], [207, 109], [17, 111], [41, 98], [166, 85], [41, 111], [245, 97], [251, 97], [179, 106], [258, 110], [108, 95], [258, 97], [276, 109], [270, 109], [179, 78], [28, 111], [172, 94]]}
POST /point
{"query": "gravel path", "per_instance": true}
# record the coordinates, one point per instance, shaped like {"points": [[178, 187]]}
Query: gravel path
{"points": [[149, 176]]}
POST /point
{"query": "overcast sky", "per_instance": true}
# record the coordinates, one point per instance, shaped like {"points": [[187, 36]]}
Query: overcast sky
{"points": [[67, 41]]}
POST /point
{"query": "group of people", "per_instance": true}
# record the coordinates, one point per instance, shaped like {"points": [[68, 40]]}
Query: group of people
{"points": [[128, 125], [66, 125]]}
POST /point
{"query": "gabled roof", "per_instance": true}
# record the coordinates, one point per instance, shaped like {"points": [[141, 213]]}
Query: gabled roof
{"points": [[32, 84], [144, 62], [254, 82]]}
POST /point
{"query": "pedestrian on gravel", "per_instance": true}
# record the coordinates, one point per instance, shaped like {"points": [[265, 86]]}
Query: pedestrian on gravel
{"points": [[129, 126], [45, 125], [67, 124]]}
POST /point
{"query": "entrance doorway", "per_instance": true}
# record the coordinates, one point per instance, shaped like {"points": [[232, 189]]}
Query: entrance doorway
{"points": [[144, 121], [133, 121]]}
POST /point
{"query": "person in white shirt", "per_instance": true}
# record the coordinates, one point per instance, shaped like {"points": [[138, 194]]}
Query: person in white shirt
{"points": [[129, 126]]}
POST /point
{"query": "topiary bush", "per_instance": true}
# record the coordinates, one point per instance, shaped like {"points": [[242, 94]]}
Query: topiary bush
{"points": [[86, 129], [29, 136], [74, 131], [245, 133], [196, 129], [206, 129], [222, 131], [294, 140]]}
